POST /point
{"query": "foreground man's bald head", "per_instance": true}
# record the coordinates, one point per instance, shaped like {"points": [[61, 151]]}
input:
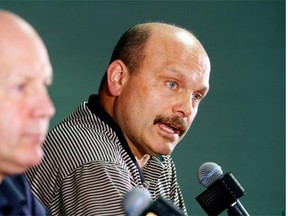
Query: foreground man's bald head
{"points": [[25, 108]]}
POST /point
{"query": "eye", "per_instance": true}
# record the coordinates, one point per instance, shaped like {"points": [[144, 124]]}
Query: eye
{"points": [[197, 97], [19, 87], [172, 85]]}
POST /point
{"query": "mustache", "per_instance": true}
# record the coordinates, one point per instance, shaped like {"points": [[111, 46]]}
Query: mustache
{"points": [[176, 121]]}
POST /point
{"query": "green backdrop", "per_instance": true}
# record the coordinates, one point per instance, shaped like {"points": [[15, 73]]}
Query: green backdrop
{"points": [[241, 123]]}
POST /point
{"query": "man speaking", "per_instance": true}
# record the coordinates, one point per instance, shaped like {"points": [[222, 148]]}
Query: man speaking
{"points": [[122, 138]]}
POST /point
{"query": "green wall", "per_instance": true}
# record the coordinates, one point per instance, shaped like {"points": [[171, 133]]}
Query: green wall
{"points": [[241, 123]]}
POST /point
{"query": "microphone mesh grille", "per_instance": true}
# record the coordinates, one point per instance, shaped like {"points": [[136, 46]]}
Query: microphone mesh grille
{"points": [[136, 201], [208, 173]]}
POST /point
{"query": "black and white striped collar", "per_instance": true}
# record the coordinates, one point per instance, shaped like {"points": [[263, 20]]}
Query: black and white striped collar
{"points": [[98, 110]]}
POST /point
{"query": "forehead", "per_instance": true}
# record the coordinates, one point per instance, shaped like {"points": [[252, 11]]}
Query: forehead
{"points": [[21, 68], [24, 71], [23, 56], [178, 49]]}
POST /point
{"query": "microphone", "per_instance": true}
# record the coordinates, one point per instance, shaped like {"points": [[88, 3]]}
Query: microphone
{"points": [[138, 202], [222, 191]]}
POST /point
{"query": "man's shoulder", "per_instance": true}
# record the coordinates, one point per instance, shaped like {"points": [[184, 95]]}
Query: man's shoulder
{"points": [[14, 184], [82, 137], [82, 121], [17, 198]]}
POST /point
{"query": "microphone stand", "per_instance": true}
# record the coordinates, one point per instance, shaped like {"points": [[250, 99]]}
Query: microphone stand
{"points": [[237, 209]]}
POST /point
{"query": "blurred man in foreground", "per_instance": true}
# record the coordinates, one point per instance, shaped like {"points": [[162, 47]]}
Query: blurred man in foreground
{"points": [[25, 111]]}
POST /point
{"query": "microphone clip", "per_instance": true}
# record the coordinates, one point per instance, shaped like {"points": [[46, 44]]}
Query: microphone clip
{"points": [[221, 195]]}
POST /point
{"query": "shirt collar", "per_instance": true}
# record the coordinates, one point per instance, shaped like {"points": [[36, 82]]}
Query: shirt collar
{"points": [[98, 110]]}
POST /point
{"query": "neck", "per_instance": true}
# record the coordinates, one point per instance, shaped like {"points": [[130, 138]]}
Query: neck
{"points": [[142, 161], [141, 157], [107, 103], [1, 178]]}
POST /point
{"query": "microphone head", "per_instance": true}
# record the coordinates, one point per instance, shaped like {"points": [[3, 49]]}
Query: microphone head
{"points": [[136, 201], [208, 173]]}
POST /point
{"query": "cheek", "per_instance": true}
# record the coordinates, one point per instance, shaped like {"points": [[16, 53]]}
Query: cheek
{"points": [[11, 121], [192, 117], [141, 102], [147, 105]]}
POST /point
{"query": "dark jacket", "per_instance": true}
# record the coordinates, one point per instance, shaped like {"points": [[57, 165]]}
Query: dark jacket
{"points": [[16, 198]]}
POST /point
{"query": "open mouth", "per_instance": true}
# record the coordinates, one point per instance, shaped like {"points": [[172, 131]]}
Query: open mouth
{"points": [[169, 128], [171, 125]]}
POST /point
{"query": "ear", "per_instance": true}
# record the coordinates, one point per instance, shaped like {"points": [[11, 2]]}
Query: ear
{"points": [[117, 73]]}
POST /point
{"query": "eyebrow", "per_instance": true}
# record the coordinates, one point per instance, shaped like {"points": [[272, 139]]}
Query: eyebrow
{"points": [[181, 74], [176, 71], [204, 89]]}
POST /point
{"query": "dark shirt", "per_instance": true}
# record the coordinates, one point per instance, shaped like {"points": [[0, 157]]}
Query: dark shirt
{"points": [[17, 199]]}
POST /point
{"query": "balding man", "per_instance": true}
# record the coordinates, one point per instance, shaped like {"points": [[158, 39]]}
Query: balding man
{"points": [[122, 138], [25, 111]]}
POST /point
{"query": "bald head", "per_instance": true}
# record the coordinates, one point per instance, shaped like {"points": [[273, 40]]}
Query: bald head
{"points": [[17, 37], [163, 35], [157, 77], [12, 24], [132, 46], [25, 74]]}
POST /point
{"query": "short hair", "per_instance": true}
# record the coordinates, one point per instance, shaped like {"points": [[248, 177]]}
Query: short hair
{"points": [[130, 48]]}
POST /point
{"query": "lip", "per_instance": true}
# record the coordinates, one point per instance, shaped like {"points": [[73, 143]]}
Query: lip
{"points": [[36, 138], [168, 130], [171, 126]]}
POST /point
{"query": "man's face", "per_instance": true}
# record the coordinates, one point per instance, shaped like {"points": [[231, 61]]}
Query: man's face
{"points": [[157, 104], [25, 107]]}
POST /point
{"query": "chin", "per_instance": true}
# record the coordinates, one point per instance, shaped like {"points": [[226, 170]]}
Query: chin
{"points": [[32, 157], [168, 150]]}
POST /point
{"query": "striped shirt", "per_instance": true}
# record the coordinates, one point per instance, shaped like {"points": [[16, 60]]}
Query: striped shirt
{"points": [[88, 167]]}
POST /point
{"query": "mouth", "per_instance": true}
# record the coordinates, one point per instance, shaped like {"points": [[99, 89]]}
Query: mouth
{"points": [[171, 125], [169, 128], [36, 138]]}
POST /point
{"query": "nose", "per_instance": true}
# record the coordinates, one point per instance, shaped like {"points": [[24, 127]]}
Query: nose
{"points": [[44, 107], [183, 107]]}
